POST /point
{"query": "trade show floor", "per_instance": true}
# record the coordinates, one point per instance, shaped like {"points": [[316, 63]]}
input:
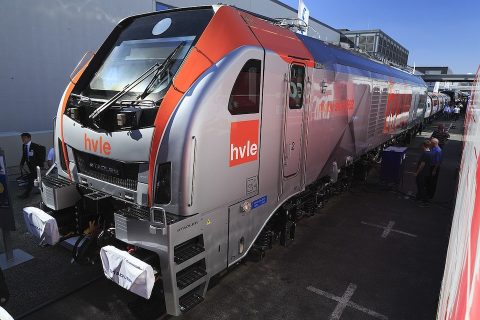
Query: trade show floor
{"points": [[371, 252]]}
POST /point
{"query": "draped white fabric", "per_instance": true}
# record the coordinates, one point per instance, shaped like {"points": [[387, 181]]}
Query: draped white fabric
{"points": [[41, 225], [127, 271]]}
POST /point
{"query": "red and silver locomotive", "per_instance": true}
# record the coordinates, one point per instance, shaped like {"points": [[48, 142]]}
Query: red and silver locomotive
{"points": [[193, 133]]}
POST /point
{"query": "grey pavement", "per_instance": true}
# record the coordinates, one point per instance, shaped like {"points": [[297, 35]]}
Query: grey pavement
{"points": [[355, 259]]}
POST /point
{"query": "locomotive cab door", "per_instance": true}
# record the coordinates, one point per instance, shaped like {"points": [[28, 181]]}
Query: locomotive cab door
{"points": [[293, 129]]}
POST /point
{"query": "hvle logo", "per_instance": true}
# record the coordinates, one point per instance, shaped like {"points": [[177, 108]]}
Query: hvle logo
{"points": [[99, 146], [243, 142]]}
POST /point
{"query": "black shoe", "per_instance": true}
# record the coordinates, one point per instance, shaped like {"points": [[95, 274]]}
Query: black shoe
{"points": [[424, 204]]}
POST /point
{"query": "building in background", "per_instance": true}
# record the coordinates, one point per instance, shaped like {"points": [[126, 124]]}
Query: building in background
{"points": [[379, 45], [46, 39], [434, 70], [267, 8], [443, 75], [42, 42]]}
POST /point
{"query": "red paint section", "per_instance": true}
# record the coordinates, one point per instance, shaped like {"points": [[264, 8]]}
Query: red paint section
{"points": [[475, 308], [397, 112], [466, 299], [243, 142], [467, 282], [280, 40], [65, 97]]}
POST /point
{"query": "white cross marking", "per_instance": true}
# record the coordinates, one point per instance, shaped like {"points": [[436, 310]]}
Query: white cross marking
{"points": [[388, 229], [342, 304], [344, 301]]}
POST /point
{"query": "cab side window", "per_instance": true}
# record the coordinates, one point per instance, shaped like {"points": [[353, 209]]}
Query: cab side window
{"points": [[245, 96], [297, 77]]}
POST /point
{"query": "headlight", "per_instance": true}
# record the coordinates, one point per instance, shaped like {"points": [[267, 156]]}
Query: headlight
{"points": [[163, 193], [61, 156]]}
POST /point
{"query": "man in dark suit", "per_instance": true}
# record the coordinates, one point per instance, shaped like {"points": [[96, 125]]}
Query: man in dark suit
{"points": [[32, 156]]}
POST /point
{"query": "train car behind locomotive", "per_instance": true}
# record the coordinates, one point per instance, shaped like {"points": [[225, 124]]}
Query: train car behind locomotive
{"points": [[193, 134], [435, 104]]}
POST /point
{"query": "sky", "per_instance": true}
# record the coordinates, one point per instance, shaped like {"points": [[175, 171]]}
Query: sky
{"points": [[435, 32]]}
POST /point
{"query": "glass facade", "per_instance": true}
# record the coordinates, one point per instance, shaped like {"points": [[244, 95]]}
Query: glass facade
{"points": [[379, 45]]}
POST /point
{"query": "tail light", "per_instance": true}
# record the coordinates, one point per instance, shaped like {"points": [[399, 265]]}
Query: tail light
{"points": [[163, 193]]}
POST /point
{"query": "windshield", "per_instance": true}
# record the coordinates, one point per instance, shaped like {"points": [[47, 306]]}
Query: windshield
{"points": [[135, 46], [131, 58]]}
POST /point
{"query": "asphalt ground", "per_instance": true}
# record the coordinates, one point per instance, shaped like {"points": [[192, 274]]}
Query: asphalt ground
{"points": [[371, 253]]}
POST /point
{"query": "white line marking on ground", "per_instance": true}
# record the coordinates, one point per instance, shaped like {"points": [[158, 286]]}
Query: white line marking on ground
{"points": [[344, 302], [387, 229]]}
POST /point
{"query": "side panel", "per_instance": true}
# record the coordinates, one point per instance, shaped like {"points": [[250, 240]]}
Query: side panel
{"points": [[460, 293], [240, 234], [198, 143], [338, 120], [323, 121], [266, 202], [294, 110]]}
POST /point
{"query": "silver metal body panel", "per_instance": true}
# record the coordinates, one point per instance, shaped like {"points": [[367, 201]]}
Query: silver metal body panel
{"points": [[59, 198], [127, 146], [138, 196], [198, 142]]}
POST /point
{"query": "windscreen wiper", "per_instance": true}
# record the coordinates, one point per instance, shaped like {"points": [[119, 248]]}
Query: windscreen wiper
{"points": [[157, 76], [156, 68], [82, 100]]}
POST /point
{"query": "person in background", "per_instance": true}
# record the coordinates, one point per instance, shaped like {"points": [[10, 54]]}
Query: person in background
{"points": [[441, 134], [32, 156], [51, 157], [450, 112], [420, 128], [436, 162], [456, 112], [446, 112], [423, 173]]}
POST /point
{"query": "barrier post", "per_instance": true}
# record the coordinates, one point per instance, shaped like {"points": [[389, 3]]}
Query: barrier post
{"points": [[11, 257]]}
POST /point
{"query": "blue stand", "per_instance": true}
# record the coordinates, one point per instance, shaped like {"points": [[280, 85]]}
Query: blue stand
{"points": [[393, 164]]}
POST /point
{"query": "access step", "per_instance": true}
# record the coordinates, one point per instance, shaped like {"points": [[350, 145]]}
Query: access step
{"points": [[188, 250], [143, 214], [189, 300], [191, 274]]}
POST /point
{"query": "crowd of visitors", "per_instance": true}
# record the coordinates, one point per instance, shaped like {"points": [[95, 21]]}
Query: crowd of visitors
{"points": [[452, 112], [429, 164]]}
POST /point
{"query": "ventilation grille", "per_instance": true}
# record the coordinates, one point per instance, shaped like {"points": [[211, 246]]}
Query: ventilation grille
{"points": [[116, 172], [376, 120]]}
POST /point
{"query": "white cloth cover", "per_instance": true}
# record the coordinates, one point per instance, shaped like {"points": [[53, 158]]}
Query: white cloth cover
{"points": [[41, 225], [127, 271], [4, 315]]}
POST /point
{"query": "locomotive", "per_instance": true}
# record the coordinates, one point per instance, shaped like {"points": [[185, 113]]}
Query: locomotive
{"points": [[196, 136]]}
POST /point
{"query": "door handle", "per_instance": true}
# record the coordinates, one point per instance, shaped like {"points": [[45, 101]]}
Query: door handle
{"points": [[156, 223], [291, 147]]}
